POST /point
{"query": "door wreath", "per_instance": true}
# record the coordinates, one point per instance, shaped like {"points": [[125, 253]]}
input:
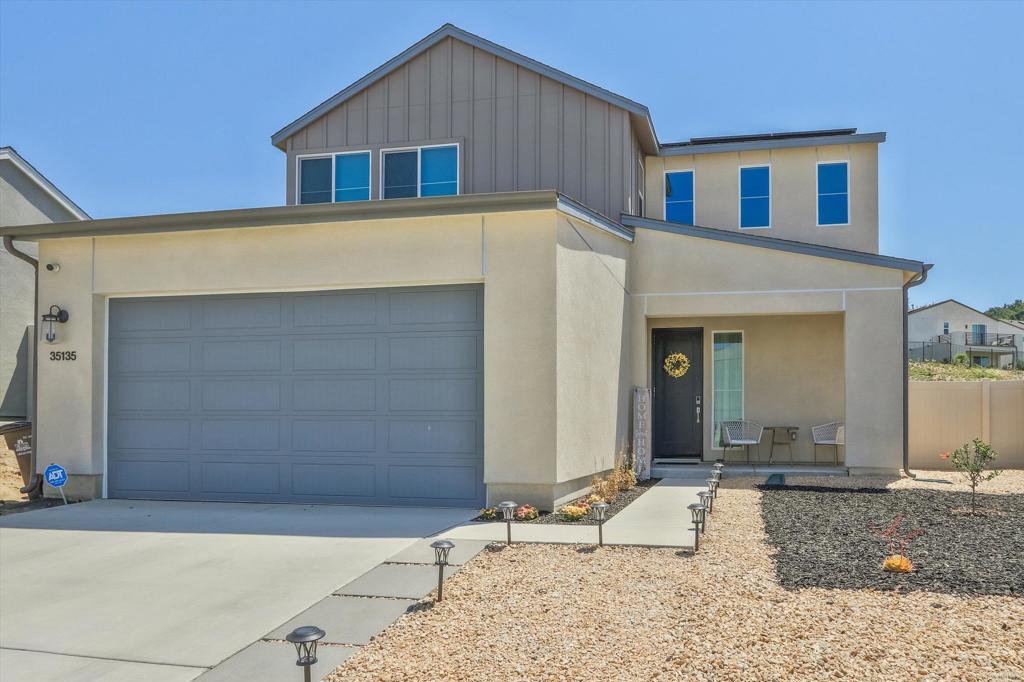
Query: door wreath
{"points": [[676, 365]]}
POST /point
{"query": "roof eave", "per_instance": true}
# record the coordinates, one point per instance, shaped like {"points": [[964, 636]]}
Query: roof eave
{"points": [[12, 155], [787, 245], [784, 143]]}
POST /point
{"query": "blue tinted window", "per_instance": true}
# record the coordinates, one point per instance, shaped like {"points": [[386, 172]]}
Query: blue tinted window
{"points": [[439, 171], [400, 175], [315, 181], [755, 197], [833, 193], [679, 197], [352, 177]]}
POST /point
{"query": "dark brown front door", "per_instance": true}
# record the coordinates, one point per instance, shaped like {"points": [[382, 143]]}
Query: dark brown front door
{"points": [[678, 408]]}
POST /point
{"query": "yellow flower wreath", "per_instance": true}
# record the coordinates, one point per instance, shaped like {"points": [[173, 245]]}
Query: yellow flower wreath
{"points": [[676, 365]]}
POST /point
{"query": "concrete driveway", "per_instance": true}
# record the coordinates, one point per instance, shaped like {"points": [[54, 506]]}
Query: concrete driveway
{"points": [[126, 590]]}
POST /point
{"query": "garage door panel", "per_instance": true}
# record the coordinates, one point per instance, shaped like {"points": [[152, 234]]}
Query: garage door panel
{"points": [[370, 397], [151, 356], [433, 394], [149, 434], [164, 395], [242, 356], [336, 310], [241, 313], [147, 315], [433, 352], [335, 395], [150, 476], [241, 395], [432, 436], [334, 435], [432, 482], [245, 477], [240, 434], [335, 354], [354, 480]]}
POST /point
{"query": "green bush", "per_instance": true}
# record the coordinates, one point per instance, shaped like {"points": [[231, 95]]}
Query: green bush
{"points": [[971, 460], [960, 359]]}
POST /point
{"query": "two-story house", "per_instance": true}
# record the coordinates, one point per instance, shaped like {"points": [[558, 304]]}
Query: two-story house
{"points": [[944, 331], [479, 260]]}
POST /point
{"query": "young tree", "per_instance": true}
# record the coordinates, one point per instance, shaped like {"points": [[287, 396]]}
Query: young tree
{"points": [[972, 460]]}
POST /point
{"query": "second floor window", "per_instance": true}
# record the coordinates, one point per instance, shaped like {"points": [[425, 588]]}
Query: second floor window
{"points": [[945, 328], [679, 197], [337, 177], [755, 197], [420, 172], [834, 193]]}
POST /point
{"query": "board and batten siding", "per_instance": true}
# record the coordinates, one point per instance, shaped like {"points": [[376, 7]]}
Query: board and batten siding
{"points": [[517, 129]]}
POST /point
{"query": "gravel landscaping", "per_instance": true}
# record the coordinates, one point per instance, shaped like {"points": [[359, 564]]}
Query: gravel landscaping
{"points": [[556, 612], [825, 538]]}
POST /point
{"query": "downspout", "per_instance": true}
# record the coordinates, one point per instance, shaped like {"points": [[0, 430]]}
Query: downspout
{"points": [[34, 488], [914, 281]]}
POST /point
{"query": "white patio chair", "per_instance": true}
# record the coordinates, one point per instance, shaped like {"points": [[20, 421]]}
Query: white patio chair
{"points": [[833, 433], [741, 433]]}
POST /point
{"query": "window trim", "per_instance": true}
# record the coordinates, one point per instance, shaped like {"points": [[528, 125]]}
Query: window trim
{"points": [[743, 378], [817, 195], [299, 158], [664, 198], [419, 166], [740, 197], [641, 181]]}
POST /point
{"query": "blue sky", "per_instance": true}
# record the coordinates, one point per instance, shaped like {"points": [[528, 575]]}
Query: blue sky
{"points": [[141, 108]]}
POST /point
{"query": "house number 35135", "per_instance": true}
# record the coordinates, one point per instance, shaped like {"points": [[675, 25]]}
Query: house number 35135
{"points": [[66, 355]]}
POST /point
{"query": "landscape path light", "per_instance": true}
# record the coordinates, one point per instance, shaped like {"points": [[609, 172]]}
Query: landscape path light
{"points": [[708, 501], [713, 487], [305, 640], [602, 510], [718, 466], [441, 550], [508, 508], [697, 512]]}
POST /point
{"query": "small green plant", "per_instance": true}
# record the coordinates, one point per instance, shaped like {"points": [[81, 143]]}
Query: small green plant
{"points": [[489, 513], [526, 512], [960, 359], [972, 460]]}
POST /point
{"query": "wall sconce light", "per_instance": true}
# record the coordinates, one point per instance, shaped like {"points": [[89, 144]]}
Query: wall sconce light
{"points": [[56, 314]]}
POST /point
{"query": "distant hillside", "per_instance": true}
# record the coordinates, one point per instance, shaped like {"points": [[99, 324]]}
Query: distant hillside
{"points": [[1010, 311]]}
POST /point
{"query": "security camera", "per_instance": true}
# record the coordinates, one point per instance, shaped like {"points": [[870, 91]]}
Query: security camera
{"points": [[53, 267]]}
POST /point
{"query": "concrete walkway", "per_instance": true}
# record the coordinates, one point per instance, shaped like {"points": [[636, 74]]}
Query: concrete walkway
{"points": [[351, 616], [658, 518]]}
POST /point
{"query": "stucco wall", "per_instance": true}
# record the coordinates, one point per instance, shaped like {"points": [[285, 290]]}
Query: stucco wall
{"points": [[673, 276], [22, 202], [793, 192], [513, 253], [793, 375]]}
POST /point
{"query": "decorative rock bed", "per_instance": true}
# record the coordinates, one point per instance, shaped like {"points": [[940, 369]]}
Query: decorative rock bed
{"points": [[825, 539]]}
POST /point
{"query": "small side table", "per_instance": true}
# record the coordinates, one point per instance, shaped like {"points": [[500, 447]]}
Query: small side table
{"points": [[789, 432]]}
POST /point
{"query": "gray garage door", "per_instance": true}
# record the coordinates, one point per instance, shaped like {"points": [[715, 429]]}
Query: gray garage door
{"points": [[361, 396]]}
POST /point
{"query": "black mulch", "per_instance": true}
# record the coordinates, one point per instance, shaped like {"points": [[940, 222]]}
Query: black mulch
{"points": [[824, 539], [621, 502], [20, 506]]}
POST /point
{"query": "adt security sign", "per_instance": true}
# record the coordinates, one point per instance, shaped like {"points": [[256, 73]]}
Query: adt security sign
{"points": [[56, 476]]}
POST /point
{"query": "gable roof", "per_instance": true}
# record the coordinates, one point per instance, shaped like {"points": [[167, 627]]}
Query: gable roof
{"points": [[962, 305], [777, 244], [10, 154], [640, 115]]}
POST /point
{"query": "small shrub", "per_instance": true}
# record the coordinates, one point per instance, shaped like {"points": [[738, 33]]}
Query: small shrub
{"points": [[972, 460], [605, 487], [526, 512], [489, 513], [897, 559], [625, 478], [960, 359], [574, 512], [593, 499]]}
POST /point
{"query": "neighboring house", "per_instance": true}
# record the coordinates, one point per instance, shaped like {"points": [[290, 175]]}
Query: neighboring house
{"points": [[943, 330], [480, 258], [26, 198]]}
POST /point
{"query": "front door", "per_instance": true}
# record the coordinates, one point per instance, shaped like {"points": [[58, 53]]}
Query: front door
{"points": [[678, 382]]}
